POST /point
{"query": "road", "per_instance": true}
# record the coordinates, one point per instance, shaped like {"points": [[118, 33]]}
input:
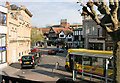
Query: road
{"points": [[46, 71]]}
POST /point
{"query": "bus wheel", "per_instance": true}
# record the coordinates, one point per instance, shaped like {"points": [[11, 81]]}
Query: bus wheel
{"points": [[67, 68]]}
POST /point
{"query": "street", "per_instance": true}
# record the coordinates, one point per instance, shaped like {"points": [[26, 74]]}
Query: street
{"points": [[45, 71]]}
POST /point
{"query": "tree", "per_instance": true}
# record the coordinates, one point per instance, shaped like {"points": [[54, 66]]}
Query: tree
{"points": [[36, 35], [111, 14]]}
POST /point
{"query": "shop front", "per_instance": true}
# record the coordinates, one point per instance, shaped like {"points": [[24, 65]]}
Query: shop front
{"points": [[3, 54]]}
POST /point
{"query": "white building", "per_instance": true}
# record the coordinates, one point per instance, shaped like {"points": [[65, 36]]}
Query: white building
{"points": [[3, 36]]}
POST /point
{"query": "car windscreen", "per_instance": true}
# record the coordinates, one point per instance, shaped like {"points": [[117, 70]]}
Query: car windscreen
{"points": [[27, 58]]}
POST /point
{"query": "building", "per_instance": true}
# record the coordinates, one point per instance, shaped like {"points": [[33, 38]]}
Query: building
{"points": [[75, 26], [19, 32], [78, 41], [57, 36], [45, 31], [95, 36], [3, 36]]}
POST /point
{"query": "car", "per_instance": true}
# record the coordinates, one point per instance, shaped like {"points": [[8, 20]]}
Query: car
{"points": [[34, 49], [28, 61], [52, 51], [59, 50]]}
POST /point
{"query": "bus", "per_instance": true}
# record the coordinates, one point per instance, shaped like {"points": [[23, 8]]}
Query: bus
{"points": [[98, 63]]}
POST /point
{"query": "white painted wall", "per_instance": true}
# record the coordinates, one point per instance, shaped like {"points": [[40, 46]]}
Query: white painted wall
{"points": [[3, 9], [62, 33], [3, 29]]}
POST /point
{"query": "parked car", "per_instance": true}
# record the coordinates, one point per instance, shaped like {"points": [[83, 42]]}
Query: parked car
{"points": [[33, 49], [59, 50], [52, 51], [28, 61]]}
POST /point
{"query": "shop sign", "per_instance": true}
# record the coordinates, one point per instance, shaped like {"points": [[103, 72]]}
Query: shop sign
{"points": [[2, 48]]}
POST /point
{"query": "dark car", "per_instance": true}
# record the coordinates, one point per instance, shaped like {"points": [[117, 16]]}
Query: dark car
{"points": [[28, 61], [52, 51]]}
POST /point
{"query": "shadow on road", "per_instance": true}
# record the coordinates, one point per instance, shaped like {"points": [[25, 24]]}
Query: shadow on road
{"points": [[51, 73], [50, 66], [15, 65]]}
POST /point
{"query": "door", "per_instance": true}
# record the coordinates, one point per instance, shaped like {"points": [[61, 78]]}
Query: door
{"points": [[14, 55]]}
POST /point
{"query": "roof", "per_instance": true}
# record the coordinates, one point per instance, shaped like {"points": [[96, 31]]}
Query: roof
{"points": [[90, 51], [92, 55], [59, 29], [56, 26], [45, 30], [15, 7]]}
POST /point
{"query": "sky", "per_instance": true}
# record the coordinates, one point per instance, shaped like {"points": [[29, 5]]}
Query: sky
{"points": [[50, 12]]}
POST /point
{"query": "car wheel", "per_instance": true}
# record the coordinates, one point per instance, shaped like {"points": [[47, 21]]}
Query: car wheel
{"points": [[33, 66], [21, 67]]}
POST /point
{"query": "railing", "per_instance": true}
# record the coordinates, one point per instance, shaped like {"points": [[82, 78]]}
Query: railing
{"points": [[9, 79]]}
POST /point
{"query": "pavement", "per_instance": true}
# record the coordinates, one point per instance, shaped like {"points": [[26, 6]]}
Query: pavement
{"points": [[10, 70]]}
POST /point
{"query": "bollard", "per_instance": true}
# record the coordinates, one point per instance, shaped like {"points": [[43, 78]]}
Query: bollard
{"points": [[56, 65]]}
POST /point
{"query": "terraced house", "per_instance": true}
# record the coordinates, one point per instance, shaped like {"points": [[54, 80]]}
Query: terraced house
{"points": [[19, 32]]}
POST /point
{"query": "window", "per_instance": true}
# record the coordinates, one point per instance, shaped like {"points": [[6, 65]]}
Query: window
{"points": [[90, 30], [79, 33], [61, 35], [3, 19], [95, 30], [19, 54], [2, 57], [2, 40], [84, 30]]}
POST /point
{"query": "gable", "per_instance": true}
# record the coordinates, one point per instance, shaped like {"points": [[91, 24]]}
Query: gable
{"points": [[51, 30]]}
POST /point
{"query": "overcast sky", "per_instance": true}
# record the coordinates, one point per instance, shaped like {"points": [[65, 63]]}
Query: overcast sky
{"points": [[50, 12]]}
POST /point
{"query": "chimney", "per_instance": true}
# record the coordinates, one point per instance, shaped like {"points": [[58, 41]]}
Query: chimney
{"points": [[7, 4]]}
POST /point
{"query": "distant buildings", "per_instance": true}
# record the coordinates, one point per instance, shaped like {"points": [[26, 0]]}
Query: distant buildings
{"points": [[19, 32], [3, 36], [57, 36], [62, 34], [95, 37], [78, 40]]}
